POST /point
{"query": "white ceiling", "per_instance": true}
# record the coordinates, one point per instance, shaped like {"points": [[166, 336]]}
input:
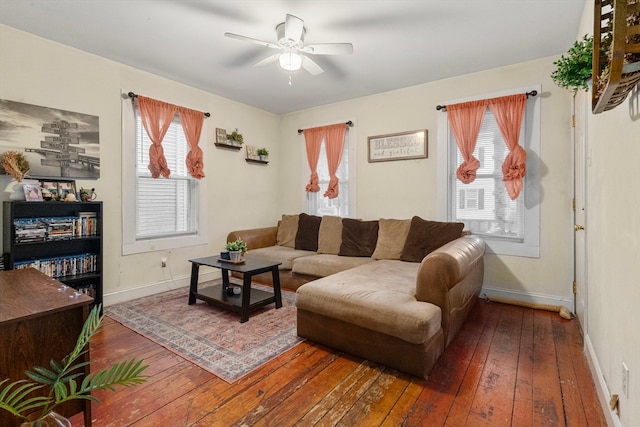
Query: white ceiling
{"points": [[397, 43]]}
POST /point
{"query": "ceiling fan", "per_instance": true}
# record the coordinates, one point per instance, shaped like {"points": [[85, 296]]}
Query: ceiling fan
{"points": [[293, 54]]}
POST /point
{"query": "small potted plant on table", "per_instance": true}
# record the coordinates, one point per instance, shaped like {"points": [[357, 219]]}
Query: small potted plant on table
{"points": [[236, 249]]}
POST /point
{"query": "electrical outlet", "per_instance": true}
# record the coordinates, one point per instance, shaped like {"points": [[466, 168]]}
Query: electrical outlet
{"points": [[625, 380], [163, 262]]}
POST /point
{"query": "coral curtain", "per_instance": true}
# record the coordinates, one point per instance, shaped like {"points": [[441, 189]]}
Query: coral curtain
{"points": [[509, 112], [334, 140], [156, 118], [465, 120], [192, 125], [313, 140]]}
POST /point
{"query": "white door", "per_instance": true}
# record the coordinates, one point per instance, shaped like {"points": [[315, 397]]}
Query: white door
{"points": [[582, 103]]}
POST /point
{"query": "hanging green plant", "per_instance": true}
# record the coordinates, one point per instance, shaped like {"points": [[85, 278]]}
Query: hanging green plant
{"points": [[573, 70]]}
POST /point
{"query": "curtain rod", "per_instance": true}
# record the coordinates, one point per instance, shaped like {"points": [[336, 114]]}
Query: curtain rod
{"points": [[133, 95], [444, 107], [349, 123]]}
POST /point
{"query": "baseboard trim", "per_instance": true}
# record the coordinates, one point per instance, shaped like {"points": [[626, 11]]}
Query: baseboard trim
{"points": [[155, 288], [527, 297], [601, 386]]}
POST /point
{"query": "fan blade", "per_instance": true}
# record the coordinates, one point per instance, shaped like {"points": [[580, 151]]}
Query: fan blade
{"points": [[252, 40], [309, 65], [329, 49], [268, 60], [293, 27]]}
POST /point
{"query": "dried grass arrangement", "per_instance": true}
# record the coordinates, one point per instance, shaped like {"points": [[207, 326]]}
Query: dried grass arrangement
{"points": [[15, 164]]}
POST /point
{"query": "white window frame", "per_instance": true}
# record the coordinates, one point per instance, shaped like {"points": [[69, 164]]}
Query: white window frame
{"points": [[345, 182], [530, 246], [131, 245]]}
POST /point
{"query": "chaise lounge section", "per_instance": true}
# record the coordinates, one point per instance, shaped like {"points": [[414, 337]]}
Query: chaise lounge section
{"points": [[397, 299]]}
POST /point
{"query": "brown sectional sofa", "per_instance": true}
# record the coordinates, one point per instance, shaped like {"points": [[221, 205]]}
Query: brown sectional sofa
{"points": [[400, 306]]}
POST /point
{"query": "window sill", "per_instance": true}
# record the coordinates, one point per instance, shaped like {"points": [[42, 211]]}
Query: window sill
{"points": [[142, 246], [514, 249]]}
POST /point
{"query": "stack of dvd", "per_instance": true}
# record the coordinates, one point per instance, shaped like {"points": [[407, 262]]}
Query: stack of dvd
{"points": [[60, 228], [30, 230]]}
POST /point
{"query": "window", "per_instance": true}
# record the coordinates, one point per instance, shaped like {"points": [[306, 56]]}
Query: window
{"points": [[161, 213], [484, 205], [165, 206], [316, 203], [509, 227]]}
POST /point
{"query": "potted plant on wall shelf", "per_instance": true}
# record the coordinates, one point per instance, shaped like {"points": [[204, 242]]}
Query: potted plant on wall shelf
{"points": [[573, 71], [235, 138], [61, 380], [262, 153]]}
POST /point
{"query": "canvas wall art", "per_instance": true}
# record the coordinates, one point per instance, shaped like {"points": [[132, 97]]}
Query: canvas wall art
{"points": [[57, 143]]}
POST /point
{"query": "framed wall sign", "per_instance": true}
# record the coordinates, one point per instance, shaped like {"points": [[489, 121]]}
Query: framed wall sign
{"points": [[398, 146]]}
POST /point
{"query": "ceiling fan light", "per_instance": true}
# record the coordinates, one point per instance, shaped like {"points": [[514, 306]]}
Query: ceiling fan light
{"points": [[290, 61]]}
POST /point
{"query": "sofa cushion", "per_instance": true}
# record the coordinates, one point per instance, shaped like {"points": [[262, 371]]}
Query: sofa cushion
{"points": [[282, 254], [392, 234], [330, 235], [358, 237], [426, 236], [307, 235], [287, 230], [323, 265], [379, 296]]}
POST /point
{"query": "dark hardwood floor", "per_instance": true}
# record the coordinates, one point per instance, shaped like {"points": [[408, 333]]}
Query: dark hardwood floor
{"points": [[508, 366]]}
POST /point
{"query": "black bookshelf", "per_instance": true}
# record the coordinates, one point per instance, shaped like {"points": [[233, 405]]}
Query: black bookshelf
{"points": [[73, 257]]}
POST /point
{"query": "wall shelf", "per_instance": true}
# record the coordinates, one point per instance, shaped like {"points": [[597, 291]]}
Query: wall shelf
{"points": [[264, 162], [616, 52], [227, 146]]}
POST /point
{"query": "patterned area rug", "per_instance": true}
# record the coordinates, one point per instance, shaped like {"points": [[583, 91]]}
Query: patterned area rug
{"points": [[211, 337]]}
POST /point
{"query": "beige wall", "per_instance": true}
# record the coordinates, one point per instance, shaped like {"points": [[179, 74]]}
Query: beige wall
{"points": [[40, 72], [405, 188], [612, 232]]}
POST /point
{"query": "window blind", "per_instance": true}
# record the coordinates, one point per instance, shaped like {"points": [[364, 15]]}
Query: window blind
{"points": [[164, 206], [484, 205]]}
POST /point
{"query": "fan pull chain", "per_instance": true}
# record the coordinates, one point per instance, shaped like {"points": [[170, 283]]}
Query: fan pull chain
{"points": [[289, 79]]}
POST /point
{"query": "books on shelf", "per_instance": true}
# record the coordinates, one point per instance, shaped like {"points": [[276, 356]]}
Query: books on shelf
{"points": [[56, 267], [28, 230]]}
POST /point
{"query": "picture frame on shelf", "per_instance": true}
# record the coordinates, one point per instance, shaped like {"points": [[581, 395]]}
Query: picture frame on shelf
{"points": [[32, 192], [49, 190], [251, 152], [221, 136], [66, 187], [398, 146]]}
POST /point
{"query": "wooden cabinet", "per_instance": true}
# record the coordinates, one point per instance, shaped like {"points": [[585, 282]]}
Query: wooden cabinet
{"points": [[60, 239], [39, 321]]}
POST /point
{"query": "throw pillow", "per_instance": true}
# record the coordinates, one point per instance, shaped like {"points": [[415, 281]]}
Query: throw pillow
{"points": [[287, 230], [392, 235], [307, 235], [358, 237], [330, 235], [426, 236]]}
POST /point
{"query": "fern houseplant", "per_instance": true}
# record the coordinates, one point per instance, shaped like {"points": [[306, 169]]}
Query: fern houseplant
{"points": [[573, 70], [62, 381]]}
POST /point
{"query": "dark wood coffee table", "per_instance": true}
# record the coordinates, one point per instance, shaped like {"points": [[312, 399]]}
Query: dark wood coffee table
{"points": [[250, 299]]}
